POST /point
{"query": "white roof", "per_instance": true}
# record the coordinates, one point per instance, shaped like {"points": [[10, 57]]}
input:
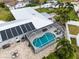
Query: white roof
{"points": [[46, 15], [11, 24], [31, 15], [76, 8], [1, 22], [76, 23]]}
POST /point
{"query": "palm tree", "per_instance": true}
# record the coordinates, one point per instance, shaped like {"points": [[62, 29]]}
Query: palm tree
{"points": [[64, 50], [62, 16], [69, 6], [61, 4]]}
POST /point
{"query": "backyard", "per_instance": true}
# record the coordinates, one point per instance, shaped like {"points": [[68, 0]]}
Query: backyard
{"points": [[64, 50], [5, 14]]}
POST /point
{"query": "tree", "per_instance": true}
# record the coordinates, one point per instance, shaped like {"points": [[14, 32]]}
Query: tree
{"points": [[62, 16], [2, 5], [69, 6], [64, 50], [61, 4]]}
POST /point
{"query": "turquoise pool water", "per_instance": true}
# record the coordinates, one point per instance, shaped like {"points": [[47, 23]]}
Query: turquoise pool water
{"points": [[44, 40]]}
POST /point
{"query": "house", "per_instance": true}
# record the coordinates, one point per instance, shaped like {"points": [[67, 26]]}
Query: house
{"points": [[72, 28], [9, 2], [14, 2], [39, 30]]}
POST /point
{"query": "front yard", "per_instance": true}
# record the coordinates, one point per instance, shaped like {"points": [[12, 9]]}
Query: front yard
{"points": [[63, 14], [5, 14]]}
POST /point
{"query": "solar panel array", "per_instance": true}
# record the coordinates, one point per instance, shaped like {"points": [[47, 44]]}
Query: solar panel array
{"points": [[15, 31]]}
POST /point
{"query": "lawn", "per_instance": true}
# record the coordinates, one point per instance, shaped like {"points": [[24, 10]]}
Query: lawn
{"points": [[5, 14], [73, 15], [66, 0], [73, 29], [77, 48]]}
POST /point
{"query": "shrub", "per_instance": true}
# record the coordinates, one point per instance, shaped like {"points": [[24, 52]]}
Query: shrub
{"points": [[2, 5]]}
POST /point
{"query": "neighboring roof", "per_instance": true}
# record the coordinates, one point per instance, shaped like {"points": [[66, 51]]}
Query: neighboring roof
{"points": [[31, 15], [10, 2], [73, 23], [72, 28], [77, 40], [76, 8], [20, 5]]}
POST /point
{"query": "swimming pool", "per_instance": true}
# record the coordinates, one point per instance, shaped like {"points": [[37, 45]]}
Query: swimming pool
{"points": [[44, 40]]}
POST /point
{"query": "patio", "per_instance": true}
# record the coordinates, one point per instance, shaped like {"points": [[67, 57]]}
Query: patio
{"points": [[24, 51]]}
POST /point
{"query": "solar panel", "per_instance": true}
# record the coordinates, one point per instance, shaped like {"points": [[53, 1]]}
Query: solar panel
{"points": [[9, 34], [18, 30], [14, 31], [28, 27], [23, 28], [3, 35], [32, 26]]}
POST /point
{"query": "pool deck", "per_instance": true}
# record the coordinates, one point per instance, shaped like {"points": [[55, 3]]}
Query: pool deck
{"points": [[24, 52], [39, 33]]}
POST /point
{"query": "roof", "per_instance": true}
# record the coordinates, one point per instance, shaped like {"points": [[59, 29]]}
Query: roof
{"points": [[46, 15], [15, 28], [1, 22], [31, 15], [73, 23], [11, 24], [10, 2]]}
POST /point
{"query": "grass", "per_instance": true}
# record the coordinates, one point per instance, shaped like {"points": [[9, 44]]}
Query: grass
{"points": [[47, 10], [66, 0], [73, 15], [5, 14], [77, 48], [73, 29], [53, 55]]}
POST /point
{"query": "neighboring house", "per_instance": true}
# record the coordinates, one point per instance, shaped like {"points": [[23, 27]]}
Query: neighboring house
{"points": [[9, 2], [13, 2], [76, 7], [1, 0], [72, 28]]}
